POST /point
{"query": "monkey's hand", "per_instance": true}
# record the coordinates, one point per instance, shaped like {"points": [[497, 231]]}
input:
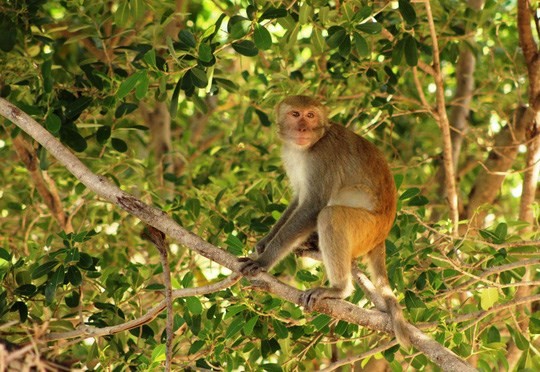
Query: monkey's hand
{"points": [[250, 267]]}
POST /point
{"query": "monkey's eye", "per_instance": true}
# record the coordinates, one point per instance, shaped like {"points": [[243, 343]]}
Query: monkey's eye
{"points": [[295, 114], [310, 115]]}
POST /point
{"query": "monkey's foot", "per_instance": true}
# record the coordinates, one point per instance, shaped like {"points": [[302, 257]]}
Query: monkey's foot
{"points": [[250, 267], [310, 298]]}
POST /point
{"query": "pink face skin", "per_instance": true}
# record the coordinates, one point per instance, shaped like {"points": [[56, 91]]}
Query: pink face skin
{"points": [[300, 126]]}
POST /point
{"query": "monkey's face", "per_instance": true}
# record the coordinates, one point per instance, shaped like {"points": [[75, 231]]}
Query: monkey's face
{"points": [[301, 126]]}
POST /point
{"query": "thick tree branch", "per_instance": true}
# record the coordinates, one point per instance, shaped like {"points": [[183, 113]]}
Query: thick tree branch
{"points": [[526, 38], [339, 309]]}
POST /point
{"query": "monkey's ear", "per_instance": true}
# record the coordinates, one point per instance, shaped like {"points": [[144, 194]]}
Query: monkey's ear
{"points": [[324, 116]]}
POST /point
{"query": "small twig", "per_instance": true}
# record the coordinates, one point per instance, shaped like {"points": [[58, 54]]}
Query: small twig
{"points": [[158, 239], [85, 332], [353, 359]]}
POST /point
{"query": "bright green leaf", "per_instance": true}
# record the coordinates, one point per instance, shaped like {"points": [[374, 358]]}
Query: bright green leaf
{"points": [[262, 38], [488, 297]]}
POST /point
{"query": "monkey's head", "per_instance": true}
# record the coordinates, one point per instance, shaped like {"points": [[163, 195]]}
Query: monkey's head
{"points": [[302, 121]]}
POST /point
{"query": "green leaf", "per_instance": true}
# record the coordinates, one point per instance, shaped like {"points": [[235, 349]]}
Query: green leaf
{"points": [[321, 321], [46, 68], [194, 305], [345, 47], [501, 231], [411, 50], [74, 276], [273, 13], [234, 245], [103, 134], [269, 347], [53, 123], [262, 37], [488, 297], [245, 48], [250, 324], [407, 11], [26, 290], [534, 326], [158, 354], [280, 329], [119, 145], [75, 108], [263, 118], [5, 255], [73, 139], [363, 13], [73, 299], [150, 57], [57, 279], [205, 53], [174, 98], [44, 269], [187, 38], [196, 346], [360, 45], [370, 28], [409, 193], [236, 325], [397, 52], [138, 8], [336, 36], [306, 276], [8, 34], [199, 77], [521, 342], [85, 261], [22, 309], [129, 84], [493, 335], [306, 11], [142, 86], [121, 16], [412, 301], [317, 40]]}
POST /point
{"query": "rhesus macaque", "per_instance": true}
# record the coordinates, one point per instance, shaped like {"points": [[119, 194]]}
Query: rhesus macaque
{"points": [[343, 190]]}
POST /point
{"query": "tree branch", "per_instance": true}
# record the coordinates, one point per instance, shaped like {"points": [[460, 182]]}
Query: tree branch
{"points": [[86, 331], [449, 170], [154, 217]]}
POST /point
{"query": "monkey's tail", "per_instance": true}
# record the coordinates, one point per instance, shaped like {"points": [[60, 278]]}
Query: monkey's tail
{"points": [[377, 268]]}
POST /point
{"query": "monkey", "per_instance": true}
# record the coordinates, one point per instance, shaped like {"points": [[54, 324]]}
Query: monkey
{"points": [[343, 191]]}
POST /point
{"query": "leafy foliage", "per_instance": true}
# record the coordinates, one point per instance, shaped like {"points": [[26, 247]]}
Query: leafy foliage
{"points": [[88, 71]]}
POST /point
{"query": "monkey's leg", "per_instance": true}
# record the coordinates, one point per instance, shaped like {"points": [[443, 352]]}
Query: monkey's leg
{"points": [[335, 244], [376, 260]]}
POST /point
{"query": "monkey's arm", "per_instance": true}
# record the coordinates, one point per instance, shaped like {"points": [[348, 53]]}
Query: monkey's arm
{"points": [[261, 245], [301, 223]]}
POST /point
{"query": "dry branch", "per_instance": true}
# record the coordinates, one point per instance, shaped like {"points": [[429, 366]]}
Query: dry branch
{"points": [[156, 218], [448, 163]]}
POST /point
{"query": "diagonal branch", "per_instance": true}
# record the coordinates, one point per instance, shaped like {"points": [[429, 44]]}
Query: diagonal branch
{"points": [[158, 219]]}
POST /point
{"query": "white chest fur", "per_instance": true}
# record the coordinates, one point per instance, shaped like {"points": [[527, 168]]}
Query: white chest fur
{"points": [[295, 163]]}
